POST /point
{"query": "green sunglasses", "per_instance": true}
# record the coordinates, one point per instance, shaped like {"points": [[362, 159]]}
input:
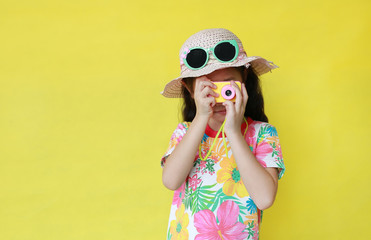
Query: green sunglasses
{"points": [[224, 51]]}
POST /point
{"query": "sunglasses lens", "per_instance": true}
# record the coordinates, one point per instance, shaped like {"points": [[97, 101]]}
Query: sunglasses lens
{"points": [[225, 51], [196, 58]]}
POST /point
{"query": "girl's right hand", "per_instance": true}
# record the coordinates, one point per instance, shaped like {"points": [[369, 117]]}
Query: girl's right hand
{"points": [[204, 96]]}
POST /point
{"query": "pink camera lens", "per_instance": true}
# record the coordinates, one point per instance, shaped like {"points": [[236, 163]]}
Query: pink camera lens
{"points": [[228, 92]]}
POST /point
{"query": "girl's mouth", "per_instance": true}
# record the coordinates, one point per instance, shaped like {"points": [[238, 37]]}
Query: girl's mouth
{"points": [[223, 111]]}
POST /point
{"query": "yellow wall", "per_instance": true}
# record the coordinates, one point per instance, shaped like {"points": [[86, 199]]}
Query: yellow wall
{"points": [[83, 125]]}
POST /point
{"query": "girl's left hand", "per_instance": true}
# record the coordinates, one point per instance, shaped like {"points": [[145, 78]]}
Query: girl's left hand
{"points": [[235, 111]]}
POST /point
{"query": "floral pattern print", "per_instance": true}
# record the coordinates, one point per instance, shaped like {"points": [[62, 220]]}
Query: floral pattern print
{"points": [[251, 207], [213, 202], [193, 182], [255, 232], [230, 176], [250, 219], [179, 195], [228, 228], [178, 227]]}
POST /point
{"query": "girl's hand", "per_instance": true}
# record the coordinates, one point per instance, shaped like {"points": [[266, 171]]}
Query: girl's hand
{"points": [[204, 96], [235, 111]]}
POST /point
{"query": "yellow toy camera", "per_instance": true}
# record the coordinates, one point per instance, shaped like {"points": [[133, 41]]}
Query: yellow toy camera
{"points": [[226, 91]]}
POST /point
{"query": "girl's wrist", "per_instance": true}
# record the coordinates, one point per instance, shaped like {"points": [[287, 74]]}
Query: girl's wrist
{"points": [[203, 113], [234, 136], [233, 133], [233, 129], [201, 118]]}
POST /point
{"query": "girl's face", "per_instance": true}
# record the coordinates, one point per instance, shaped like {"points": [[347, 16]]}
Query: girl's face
{"points": [[225, 74]]}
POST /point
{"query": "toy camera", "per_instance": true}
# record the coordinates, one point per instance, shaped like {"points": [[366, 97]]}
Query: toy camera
{"points": [[226, 91]]}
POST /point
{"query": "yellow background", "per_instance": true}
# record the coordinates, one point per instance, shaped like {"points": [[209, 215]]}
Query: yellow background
{"points": [[83, 125]]}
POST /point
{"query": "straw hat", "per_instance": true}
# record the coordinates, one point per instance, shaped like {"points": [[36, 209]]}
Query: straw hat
{"points": [[206, 39]]}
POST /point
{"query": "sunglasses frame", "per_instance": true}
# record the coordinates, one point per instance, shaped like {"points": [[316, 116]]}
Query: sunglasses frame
{"points": [[212, 49]]}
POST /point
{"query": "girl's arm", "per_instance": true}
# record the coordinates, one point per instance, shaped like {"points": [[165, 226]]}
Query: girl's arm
{"points": [[260, 182], [180, 162]]}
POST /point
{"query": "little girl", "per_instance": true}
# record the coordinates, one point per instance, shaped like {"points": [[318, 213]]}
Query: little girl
{"points": [[224, 160]]}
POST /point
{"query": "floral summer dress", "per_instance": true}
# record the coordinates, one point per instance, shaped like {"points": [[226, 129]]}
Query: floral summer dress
{"points": [[213, 203]]}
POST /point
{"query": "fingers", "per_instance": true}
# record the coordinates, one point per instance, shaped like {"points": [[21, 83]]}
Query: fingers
{"points": [[229, 106], [235, 110], [202, 82], [204, 87], [238, 95], [204, 95], [211, 101], [208, 92]]}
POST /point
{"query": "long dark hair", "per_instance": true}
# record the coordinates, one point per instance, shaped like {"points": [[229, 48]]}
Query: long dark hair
{"points": [[255, 104]]}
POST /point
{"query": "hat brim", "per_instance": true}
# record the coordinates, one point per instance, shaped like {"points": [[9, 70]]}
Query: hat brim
{"points": [[260, 65]]}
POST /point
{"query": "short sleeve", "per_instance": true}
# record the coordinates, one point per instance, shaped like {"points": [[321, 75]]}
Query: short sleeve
{"points": [[268, 149], [176, 137]]}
